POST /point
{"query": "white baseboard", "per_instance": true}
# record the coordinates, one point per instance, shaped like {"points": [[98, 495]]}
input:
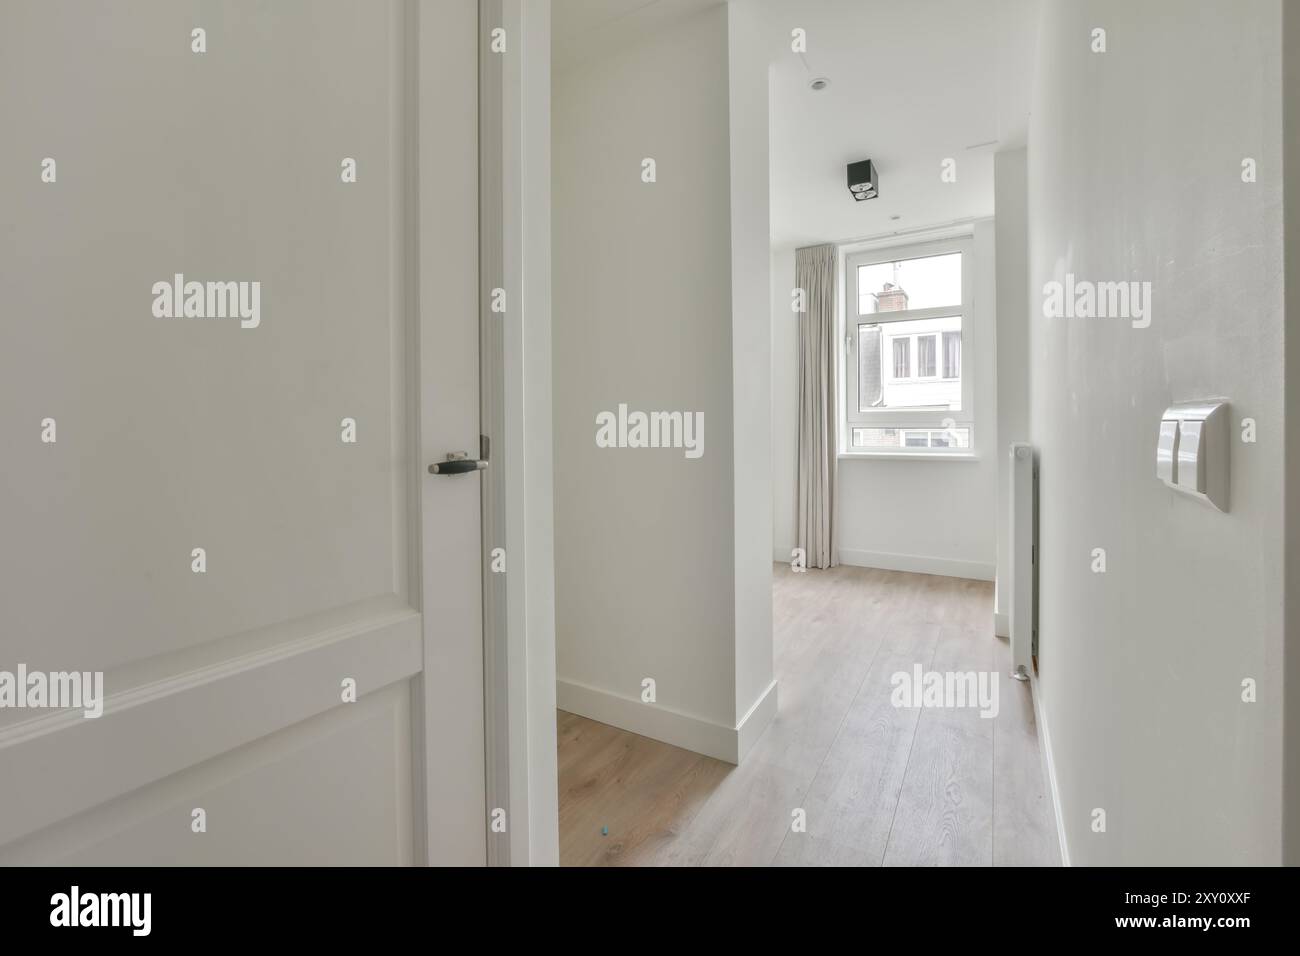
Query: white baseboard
{"points": [[920, 564], [755, 721], [670, 726], [1049, 767]]}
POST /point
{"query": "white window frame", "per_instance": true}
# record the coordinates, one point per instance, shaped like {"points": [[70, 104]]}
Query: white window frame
{"points": [[911, 419]]}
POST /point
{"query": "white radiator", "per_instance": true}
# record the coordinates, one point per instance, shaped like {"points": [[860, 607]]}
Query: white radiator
{"points": [[1023, 623]]}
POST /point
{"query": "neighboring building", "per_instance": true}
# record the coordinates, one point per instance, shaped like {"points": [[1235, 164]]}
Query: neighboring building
{"points": [[910, 364]]}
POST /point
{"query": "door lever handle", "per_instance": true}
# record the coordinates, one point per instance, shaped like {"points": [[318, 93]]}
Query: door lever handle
{"points": [[459, 462], [457, 466]]}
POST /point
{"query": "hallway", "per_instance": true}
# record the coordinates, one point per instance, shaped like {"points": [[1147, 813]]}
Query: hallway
{"points": [[880, 785]]}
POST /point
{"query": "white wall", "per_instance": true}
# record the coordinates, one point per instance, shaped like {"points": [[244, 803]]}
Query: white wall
{"points": [[930, 516], [1012, 239], [1134, 174], [748, 91], [653, 577]]}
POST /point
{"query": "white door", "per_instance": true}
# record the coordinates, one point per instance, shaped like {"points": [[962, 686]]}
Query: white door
{"points": [[229, 515]]}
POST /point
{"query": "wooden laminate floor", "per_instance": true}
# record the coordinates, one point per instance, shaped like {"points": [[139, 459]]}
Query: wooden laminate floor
{"points": [[880, 785]]}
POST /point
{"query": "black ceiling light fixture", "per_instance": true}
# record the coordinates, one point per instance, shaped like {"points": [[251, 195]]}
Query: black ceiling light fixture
{"points": [[862, 180]]}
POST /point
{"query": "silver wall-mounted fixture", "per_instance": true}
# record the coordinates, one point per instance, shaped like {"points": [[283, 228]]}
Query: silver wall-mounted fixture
{"points": [[1192, 450]]}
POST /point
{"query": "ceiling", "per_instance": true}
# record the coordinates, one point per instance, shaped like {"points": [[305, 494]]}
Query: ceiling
{"points": [[912, 83]]}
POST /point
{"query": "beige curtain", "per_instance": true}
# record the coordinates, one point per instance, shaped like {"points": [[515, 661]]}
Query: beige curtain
{"points": [[814, 272]]}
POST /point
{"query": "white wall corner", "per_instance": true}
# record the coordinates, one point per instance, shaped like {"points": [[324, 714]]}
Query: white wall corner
{"points": [[751, 352]]}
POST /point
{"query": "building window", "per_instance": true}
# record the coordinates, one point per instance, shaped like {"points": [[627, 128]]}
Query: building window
{"points": [[952, 355], [911, 439], [907, 327], [925, 347], [902, 363]]}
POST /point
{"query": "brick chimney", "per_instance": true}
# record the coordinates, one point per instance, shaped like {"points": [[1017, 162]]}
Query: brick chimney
{"points": [[891, 299]]}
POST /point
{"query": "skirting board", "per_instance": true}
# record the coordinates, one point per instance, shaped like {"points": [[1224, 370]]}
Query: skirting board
{"points": [[669, 726], [920, 564], [1049, 767], [754, 722]]}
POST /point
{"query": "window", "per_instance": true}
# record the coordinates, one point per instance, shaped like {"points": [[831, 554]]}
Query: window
{"points": [[907, 329], [902, 363], [952, 355], [925, 356]]}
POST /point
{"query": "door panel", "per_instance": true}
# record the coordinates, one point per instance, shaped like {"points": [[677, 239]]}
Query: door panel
{"points": [[180, 433], [175, 434], [263, 802]]}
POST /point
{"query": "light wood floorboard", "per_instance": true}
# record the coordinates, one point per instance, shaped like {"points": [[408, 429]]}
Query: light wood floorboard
{"points": [[879, 784]]}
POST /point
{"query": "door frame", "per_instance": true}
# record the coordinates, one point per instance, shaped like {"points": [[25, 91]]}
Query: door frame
{"points": [[518, 617], [519, 607]]}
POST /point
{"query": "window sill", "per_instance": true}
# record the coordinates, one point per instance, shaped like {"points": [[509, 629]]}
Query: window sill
{"points": [[909, 456]]}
